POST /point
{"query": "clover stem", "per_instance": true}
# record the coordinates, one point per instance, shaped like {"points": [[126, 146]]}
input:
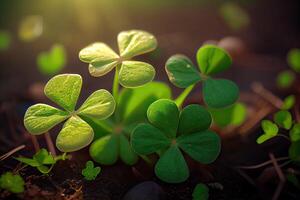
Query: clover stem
{"points": [[35, 142], [180, 99], [50, 143], [115, 89]]}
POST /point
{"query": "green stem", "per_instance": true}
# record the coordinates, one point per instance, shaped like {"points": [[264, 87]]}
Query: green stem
{"points": [[180, 99], [115, 89]]}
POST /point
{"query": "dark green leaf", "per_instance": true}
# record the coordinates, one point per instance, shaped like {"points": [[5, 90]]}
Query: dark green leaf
{"points": [[295, 132], [90, 172], [294, 151], [200, 192], [127, 154]]}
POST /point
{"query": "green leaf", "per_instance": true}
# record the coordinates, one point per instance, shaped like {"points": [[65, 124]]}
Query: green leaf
{"points": [[200, 192], [203, 146], [283, 119], [147, 139], [44, 157], [171, 166], [285, 79], [40, 118], [28, 161], [31, 27], [64, 90], [90, 172], [194, 118], [288, 102], [135, 74], [212, 59], [164, 115], [294, 151], [127, 154], [181, 71], [135, 42], [75, 134], [219, 93], [105, 150], [133, 103], [101, 127], [52, 62], [270, 130], [102, 58], [12, 183], [293, 59], [100, 105], [295, 132], [233, 115], [5, 40]]}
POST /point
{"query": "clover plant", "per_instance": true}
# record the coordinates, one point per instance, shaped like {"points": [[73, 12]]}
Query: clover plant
{"points": [[112, 135], [170, 132], [200, 192], [217, 93], [102, 59], [52, 62], [76, 133], [12, 182], [42, 160], [90, 172]]}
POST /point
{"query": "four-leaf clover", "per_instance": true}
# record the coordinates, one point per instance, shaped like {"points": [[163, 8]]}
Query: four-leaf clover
{"points": [[64, 90], [171, 131], [90, 172], [102, 59], [217, 93]]}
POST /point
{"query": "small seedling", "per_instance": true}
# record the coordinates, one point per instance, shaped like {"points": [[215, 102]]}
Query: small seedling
{"points": [[171, 131], [52, 62], [114, 133], [102, 59], [5, 40], [217, 93], [64, 90], [42, 160], [12, 183], [90, 172], [200, 192], [31, 27]]}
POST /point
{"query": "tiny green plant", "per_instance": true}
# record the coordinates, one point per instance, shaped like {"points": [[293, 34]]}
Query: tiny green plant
{"points": [[102, 59], [5, 40], [217, 93], [12, 182], [201, 192], [50, 63], [42, 160], [169, 131], [90, 172], [64, 90]]}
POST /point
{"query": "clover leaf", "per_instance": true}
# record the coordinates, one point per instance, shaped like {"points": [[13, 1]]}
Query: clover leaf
{"points": [[11, 182], [172, 132], [288, 102], [42, 160], [102, 59], [283, 119], [112, 135], [200, 192], [76, 133], [217, 93], [52, 62], [270, 130], [295, 133], [90, 172]]}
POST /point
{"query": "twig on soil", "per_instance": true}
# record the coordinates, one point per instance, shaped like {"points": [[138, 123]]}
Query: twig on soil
{"points": [[11, 152], [50, 144], [263, 164], [280, 175]]}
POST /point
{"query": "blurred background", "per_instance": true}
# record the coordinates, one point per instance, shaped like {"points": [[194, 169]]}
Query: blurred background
{"points": [[32, 32]]}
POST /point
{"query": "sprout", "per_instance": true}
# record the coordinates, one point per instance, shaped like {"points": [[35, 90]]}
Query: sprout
{"points": [[102, 59], [64, 90], [11, 182], [200, 192], [42, 160], [90, 172], [171, 131], [52, 62], [217, 93]]}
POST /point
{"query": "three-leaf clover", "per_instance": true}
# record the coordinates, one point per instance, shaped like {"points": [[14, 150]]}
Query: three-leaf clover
{"points": [[270, 130], [112, 135], [171, 131], [217, 93], [102, 59], [200, 192], [52, 62], [42, 160], [90, 172], [64, 90], [11, 182]]}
